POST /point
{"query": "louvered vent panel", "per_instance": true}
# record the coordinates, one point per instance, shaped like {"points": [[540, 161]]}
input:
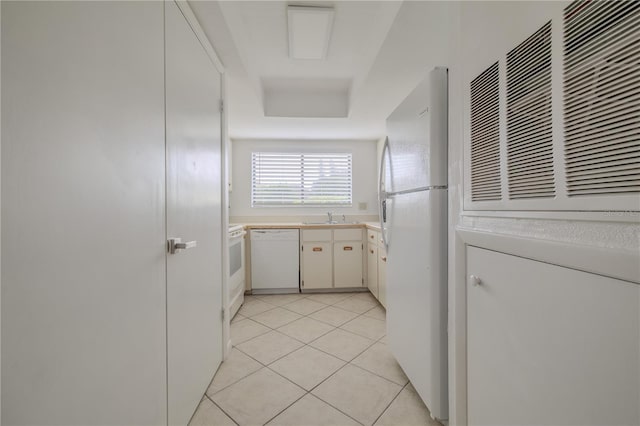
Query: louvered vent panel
{"points": [[529, 137], [485, 136], [602, 97]]}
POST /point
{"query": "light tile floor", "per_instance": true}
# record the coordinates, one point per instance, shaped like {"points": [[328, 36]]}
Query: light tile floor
{"points": [[311, 360]]}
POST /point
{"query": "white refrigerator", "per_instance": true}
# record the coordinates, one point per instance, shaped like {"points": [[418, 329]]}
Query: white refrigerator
{"points": [[413, 215]]}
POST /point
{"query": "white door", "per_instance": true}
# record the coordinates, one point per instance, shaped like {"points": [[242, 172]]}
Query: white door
{"points": [[194, 208], [83, 226]]}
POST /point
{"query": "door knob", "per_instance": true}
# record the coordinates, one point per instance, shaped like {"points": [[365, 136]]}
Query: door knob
{"points": [[176, 244], [475, 281]]}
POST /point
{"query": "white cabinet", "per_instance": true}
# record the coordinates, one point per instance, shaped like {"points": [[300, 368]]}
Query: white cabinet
{"points": [[331, 258], [347, 264], [316, 265], [376, 266], [550, 345], [316, 259], [372, 268], [382, 276], [347, 258]]}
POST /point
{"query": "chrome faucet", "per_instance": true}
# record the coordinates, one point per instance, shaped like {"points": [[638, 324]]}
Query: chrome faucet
{"points": [[330, 214]]}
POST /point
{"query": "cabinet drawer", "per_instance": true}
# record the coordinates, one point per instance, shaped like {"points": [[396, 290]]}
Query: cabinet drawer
{"points": [[316, 235], [373, 236], [347, 234]]}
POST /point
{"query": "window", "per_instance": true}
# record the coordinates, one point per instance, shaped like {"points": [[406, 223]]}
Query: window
{"points": [[300, 179]]}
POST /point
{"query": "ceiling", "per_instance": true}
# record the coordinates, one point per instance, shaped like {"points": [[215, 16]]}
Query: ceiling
{"points": [[378, 51]]}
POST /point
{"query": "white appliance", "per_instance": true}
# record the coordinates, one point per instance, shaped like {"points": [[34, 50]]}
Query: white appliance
{"points": [[275, 261], [236, 268], [413, 216]]}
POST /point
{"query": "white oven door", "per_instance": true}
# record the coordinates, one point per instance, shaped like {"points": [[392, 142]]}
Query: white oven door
{"points": [[236, 271]]}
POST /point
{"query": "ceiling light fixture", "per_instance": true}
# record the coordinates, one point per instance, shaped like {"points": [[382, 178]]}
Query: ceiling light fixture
{"points": [[309, 31]]}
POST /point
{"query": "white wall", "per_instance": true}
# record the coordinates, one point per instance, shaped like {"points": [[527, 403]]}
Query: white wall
{"points": [[365, 164]]}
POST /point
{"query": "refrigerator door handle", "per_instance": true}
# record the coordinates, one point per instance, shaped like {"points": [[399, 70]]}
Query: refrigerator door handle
{"points": [[382, 194], [411, 191]]}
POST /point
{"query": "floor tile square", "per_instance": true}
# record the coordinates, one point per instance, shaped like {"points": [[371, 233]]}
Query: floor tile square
{"points": [[280, 299], [342, 344], [246, 329], [306, 329], [235, 367], [370, 328], [269, 347], [334, 316], [407, 410], [356, 304], [208, 414], [257, 398], [328, 298], [307, 367], [358, 393], [379, 360], [253, 307], [310, 411], [275, 318], [304, 306], [377, 312]]}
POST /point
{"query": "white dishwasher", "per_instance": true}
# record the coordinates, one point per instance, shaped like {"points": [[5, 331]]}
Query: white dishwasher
{"points": [[275, 261]]}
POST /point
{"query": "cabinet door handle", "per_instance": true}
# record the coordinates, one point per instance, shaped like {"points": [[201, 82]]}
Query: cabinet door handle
{"points": [[475, 281], [371, 236], [347, 248], [384, 258], [317, 249], [371, 251]]}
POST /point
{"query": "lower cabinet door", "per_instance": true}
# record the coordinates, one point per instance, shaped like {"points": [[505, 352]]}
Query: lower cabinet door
{"points": [[372, 269], [382, 276], [316, 265], [549, 345], [347, 264]]}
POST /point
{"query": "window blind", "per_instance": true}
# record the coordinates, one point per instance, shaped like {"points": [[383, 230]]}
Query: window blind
{"points": [[300, 179]]}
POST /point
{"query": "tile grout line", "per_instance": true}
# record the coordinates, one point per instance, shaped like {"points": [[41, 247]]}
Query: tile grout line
{"points": [[221, 409], [306, 392], [389, 405], [304, 344], [326, 402], [287, 407]]}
